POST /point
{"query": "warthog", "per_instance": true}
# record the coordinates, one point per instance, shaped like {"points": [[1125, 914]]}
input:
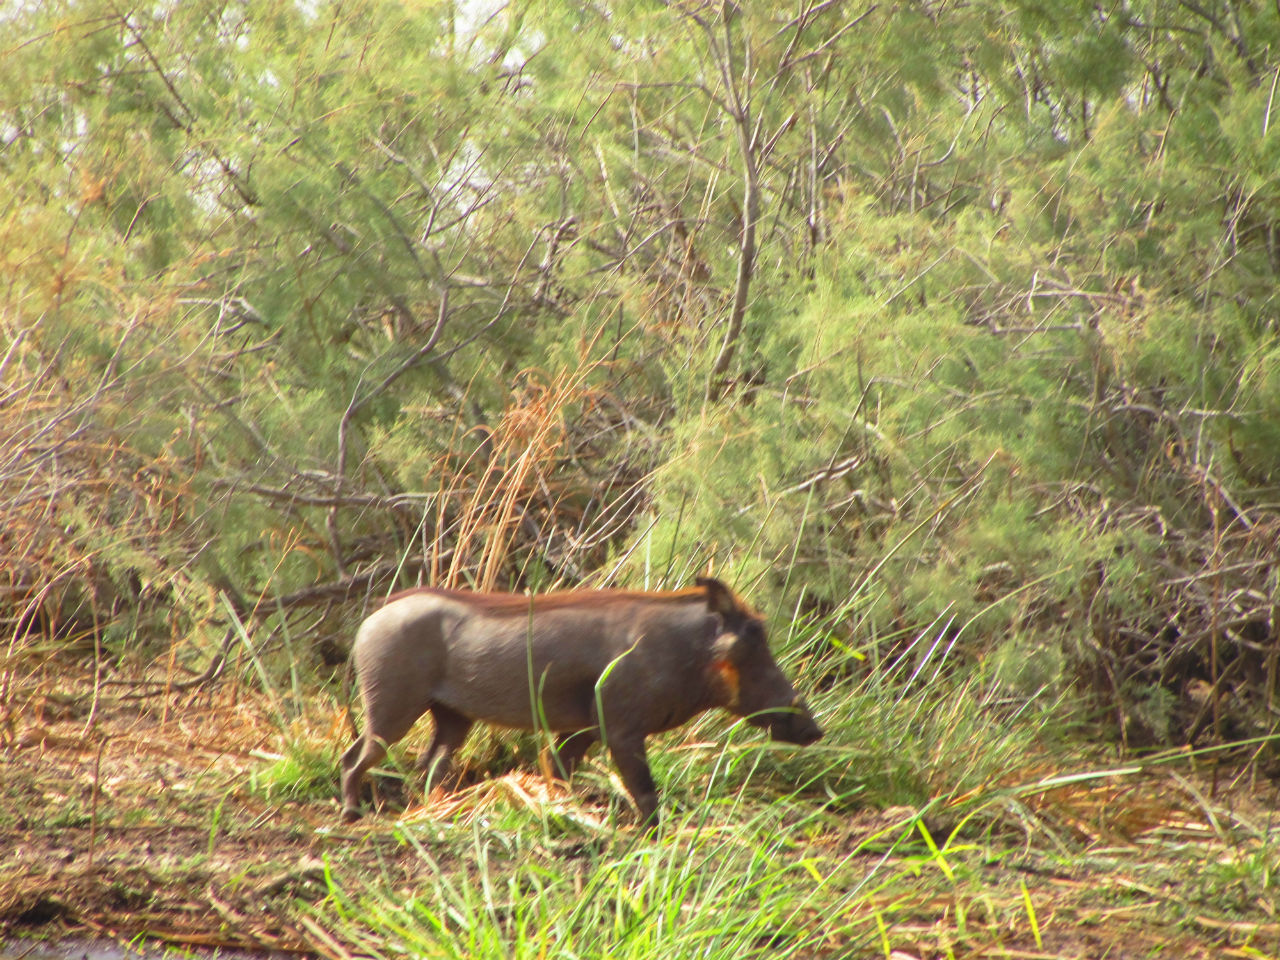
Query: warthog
{"points": [[584, 664]]}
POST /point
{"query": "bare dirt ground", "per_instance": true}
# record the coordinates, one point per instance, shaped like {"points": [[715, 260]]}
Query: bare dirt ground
{"points": [[125, 815]]}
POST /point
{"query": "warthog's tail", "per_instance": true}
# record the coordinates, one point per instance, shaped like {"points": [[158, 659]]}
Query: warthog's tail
{"points": [[348, 678]]}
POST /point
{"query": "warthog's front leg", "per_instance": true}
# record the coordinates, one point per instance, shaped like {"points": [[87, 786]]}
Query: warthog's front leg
{"points": [[629, 757], [569, 750]]}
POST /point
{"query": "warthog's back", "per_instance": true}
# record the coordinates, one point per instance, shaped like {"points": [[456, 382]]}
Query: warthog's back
{"points": [[492, 657]]}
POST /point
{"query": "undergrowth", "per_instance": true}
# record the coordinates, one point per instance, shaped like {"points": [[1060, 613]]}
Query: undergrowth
{"points": [[938, 782], [756, 852]]}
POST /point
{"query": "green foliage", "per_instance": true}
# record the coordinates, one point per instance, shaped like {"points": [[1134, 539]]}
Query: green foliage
{"points": [[304, 772], [711, 897], [900, 315]]}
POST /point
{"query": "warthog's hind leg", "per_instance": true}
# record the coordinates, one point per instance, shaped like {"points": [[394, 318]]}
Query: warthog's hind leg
{"points": [[387, 719], [437, 760], [359, 757]]}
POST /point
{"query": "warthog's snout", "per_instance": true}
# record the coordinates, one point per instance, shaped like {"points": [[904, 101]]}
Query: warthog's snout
{"points": [[793, 724]]}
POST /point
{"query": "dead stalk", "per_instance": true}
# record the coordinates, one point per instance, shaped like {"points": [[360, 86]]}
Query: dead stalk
{"points": [[93, 805]]}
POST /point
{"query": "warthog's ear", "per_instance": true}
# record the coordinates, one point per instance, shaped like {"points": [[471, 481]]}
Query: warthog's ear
{"points": [[720, 599]]}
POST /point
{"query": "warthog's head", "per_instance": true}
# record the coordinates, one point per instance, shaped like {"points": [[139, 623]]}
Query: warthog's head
{"points": [[751, 683]]}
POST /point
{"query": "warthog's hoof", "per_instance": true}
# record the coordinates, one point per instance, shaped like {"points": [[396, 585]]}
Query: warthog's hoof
{"points": [[350, 815]]}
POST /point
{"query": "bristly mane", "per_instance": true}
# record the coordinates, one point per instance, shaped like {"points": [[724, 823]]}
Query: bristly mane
{"points": [[512, 603]]}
